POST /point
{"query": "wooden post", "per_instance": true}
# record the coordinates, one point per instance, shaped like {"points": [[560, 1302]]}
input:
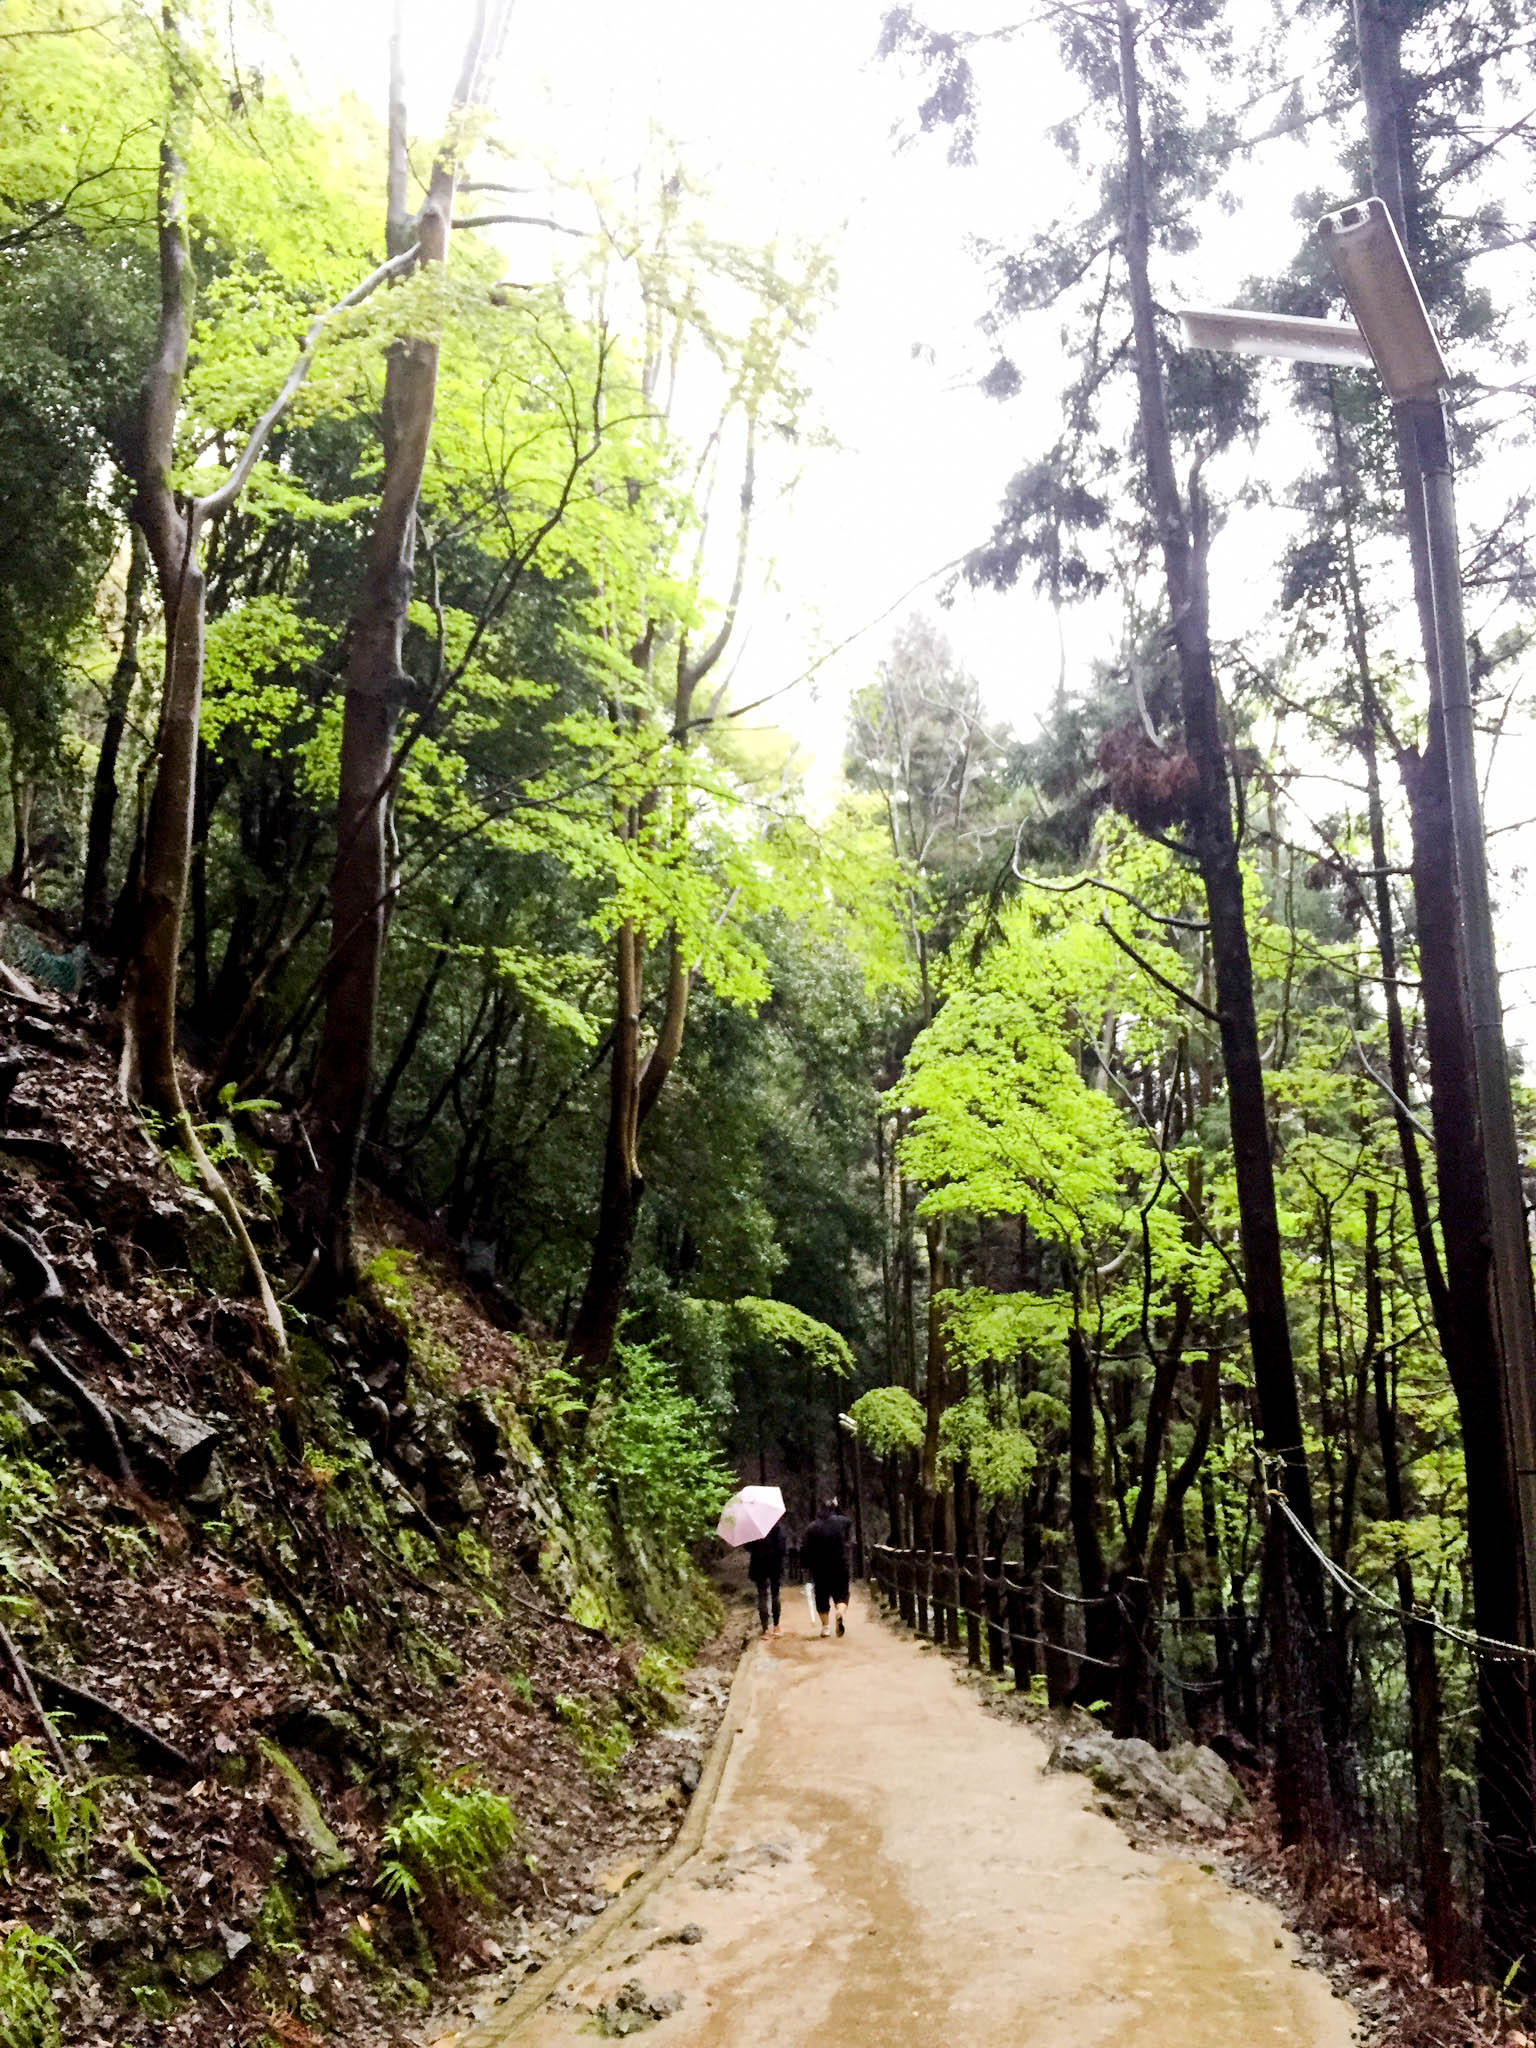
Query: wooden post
{"points": [[858, 1507], [1058, 1663], [993, 1602], [1022, 1650], [974, 1584]]}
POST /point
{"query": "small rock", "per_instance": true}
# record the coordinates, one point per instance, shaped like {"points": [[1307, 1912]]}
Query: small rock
{"points": [[634, 2009], [689, 1772], [212, 1490], [683, 1937], [183, 1445], [235, 1943], [108, 1934]]}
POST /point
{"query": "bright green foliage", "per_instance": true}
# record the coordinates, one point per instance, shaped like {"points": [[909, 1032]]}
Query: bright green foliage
{"points": [[43, 1818], [29, 1963], [777, 1323], [445, 1836], [655, 1449], [999, 1460], [888, 1419], [1004, 1120]]}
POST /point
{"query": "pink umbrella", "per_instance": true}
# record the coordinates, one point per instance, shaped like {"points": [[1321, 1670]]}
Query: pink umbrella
{"points": [[750, 1514]]}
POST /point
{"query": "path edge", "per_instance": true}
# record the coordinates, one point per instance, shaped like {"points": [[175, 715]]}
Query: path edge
{"points": [[535, 1992]]}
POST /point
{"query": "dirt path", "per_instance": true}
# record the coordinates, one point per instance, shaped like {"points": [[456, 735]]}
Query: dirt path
{"points": [[887, 1864]]}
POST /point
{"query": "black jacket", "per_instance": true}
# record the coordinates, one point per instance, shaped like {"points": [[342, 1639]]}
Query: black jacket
{"points": [[765, 1557], [824, 1548]]}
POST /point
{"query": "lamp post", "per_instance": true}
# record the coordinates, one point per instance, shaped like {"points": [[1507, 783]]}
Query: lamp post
{"points": [[860, 1560], [1391, 329]]}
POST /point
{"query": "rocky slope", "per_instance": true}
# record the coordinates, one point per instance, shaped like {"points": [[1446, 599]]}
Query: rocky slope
{"points": [[340, 1705]]}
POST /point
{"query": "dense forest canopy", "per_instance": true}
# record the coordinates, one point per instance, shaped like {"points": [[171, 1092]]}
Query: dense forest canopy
{"points": [[1073, 1134]]}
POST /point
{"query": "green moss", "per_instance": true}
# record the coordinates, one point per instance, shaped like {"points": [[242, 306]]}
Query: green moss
{"points": [[275, 1930], [602, 1740]]}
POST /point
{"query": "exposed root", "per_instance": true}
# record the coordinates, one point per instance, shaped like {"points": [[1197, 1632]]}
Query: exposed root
{"points": [[218, 1192], [47, 1303], [154, 1748], [13, 1657], [95, 1411]]}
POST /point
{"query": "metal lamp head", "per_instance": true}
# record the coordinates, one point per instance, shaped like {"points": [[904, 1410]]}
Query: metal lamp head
{"points": [[1368, 258], [1291, 335]]}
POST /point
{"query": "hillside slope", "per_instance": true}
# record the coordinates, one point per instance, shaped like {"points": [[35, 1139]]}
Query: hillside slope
{"points": [[346, 1702]]}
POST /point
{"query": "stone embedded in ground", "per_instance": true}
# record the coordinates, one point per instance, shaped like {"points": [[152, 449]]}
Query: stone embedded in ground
{"points": [[181, 1444], [632, 2009], [685, 1936], [1205, 1777], [1131, 1771], [297, 1812]]}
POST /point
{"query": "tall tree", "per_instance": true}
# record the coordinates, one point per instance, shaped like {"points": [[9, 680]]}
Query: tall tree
{"points": [[362, 887]]}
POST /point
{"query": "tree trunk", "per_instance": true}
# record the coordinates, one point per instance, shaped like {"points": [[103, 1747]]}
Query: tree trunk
{"points": [[638, 1086], [602, 1300], [1096, 1677], [1442, 1931], [1503, 1749], [1303, 1790], [362, 880], [95, 908]]}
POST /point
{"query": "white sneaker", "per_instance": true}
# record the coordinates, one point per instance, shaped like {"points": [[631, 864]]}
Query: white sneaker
{"points": [[825, 1630]]}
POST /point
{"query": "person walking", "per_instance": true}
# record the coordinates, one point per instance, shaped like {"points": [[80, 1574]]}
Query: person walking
{"points": [[824, 1551], [765, 1568]]}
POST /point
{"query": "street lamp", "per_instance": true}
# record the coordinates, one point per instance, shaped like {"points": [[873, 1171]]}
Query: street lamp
{"points": [[1394, 329], [847, 1422]]}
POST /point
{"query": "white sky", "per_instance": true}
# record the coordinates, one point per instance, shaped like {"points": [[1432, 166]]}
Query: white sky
{"points": [[786, 113]]}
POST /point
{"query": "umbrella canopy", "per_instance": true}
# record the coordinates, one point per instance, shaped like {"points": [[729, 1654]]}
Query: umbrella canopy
{"points": [[750, 1514]]}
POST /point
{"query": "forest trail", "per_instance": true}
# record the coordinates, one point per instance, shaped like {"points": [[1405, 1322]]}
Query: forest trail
{"points": [[887, 1863]]}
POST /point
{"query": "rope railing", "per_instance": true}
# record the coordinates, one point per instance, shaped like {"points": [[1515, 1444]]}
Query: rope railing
{"points": [[928, 1589]]}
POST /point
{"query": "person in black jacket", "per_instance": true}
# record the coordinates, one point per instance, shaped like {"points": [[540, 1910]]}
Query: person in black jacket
{"points": [[765, 1567], [824, 1551]]}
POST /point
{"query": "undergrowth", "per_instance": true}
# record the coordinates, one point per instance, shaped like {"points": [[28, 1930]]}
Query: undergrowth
{"points": [[446, 1835], [29, 1964], [42, 1817], [603, 1742]]}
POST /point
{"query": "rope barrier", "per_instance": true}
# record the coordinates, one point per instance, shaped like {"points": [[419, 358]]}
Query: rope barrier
{"points": [[1468, 1639]]}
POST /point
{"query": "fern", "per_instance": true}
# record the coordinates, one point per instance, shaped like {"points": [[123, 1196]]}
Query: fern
{"points": [[28, 1962], [445, 1837], [41, 1816]]}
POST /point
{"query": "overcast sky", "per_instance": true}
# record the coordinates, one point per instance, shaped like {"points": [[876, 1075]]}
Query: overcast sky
{"points": [[785, 111]]}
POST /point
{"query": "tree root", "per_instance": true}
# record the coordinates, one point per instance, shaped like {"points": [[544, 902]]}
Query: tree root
{"points": [[219, 1193], [48, 1303], [94, 1410], [13, 1657], [92, 1707]]}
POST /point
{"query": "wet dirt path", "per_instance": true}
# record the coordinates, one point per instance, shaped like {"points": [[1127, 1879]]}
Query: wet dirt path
{"points": [[886, 1863]]}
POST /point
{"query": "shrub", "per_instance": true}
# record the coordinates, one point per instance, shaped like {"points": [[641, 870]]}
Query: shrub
{"points": [[888, 1419], [444, 1836], [656, 1448], [28, 1963]]}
